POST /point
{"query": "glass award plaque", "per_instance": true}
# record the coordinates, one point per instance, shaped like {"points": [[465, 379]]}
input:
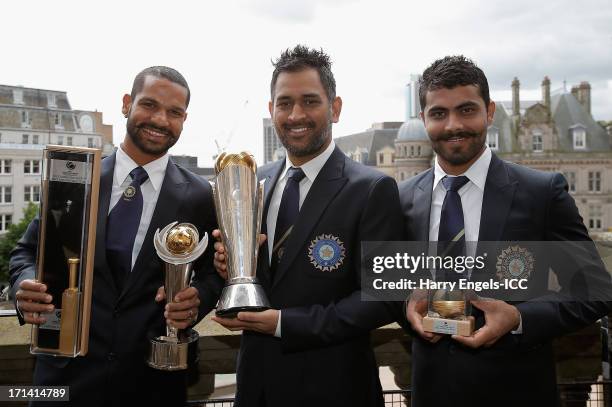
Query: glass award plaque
{"points": [[66, 247]]}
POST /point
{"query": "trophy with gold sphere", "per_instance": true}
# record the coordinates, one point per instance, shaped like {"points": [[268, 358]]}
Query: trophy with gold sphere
{"points": [[239, 206], [447, 313], [179, 246]]}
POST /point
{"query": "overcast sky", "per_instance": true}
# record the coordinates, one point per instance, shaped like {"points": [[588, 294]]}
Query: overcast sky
{"points": [[93, 50]]}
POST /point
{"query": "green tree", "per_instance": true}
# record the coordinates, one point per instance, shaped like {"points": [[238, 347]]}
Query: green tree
{"points": [[9, 240]]}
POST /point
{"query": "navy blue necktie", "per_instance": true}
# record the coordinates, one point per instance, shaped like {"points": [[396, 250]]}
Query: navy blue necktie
{"points": [[287, 214], [451, 234], [122, 226]]}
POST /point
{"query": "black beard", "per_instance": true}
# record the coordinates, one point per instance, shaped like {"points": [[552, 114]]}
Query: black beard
{"points": [[133, 132], [312, 148]]}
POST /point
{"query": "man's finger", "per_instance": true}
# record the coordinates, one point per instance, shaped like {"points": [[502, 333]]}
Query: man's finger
{"points": [[34, 296], [249, 316], [216, 234], [478, 339], [161, 294], [186, 293], [33, 285], [262, 239], [219, 247], [29, 307]]}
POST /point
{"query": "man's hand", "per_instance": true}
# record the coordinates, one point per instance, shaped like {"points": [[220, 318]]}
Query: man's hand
{"points": [[32, 299], [220, 261], [415, 311], [264, 321], [500, 318], [183, 311]]}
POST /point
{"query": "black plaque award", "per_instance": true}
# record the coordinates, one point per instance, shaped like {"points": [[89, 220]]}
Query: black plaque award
{"points": [[66, 246]]}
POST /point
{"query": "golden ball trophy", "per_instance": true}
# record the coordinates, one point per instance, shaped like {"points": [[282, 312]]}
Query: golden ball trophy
{"points": [[179, 246]]}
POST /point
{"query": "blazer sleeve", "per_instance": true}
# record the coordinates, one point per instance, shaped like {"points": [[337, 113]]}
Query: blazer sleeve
{"points": [[205, 278], [22, 263], [586, 287], [314, 326]]}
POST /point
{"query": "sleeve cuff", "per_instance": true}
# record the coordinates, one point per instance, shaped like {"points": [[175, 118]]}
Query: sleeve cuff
{"points": [[277, 332]]}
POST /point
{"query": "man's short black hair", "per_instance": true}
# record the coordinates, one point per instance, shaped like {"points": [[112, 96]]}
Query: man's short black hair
{"points": [[301, 57], [159, 72], [452, 71]]}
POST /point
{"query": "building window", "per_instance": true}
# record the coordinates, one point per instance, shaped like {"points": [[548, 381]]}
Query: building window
{"points": [[5, 222], [26, 122], [31, 193], [595, 217], [31, 167], [493, 138], [570, 177], [18, 96], [25, 139], [58, 120], [69, 140], [51, 100], [419, 151], [579, 134], [381, 158], [5, 166], [90, 142], [411, 151], [594, 181], [60, 140], [34, 138], [6, 194], [536, 141]]}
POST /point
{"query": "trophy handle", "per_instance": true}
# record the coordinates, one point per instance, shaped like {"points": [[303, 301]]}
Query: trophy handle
{"points": [[260, 195]]}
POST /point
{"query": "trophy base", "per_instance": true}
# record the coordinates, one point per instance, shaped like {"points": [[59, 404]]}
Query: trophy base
{"points": [[171, 354], [241, 297], [461, 327]]}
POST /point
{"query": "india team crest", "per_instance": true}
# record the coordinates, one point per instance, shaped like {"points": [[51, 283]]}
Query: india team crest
{"points": [[326, 252], [129, 192], [514, 263]]}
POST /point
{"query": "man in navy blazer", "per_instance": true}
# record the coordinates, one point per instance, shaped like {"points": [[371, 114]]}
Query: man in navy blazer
{"points": [[508, 361], [314, 287], [126, 314]]}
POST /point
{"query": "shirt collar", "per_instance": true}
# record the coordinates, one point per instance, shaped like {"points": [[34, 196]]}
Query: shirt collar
{"points": [[477, 173], [313, 167], [156, 169]]}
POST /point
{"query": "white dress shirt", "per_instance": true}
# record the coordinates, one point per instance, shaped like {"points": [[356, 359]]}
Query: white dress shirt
{"points": [[311, 170], [150, 190]]}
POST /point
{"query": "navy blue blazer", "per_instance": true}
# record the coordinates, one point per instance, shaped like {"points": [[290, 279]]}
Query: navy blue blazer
{"points": [[519, 204], [114, 372], [323, 357]]}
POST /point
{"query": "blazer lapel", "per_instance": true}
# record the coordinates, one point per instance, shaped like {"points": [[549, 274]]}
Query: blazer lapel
{"points": [[422, 207], [263, 262], [106, 186], [172, 194], [496, 202], [328, 183]]}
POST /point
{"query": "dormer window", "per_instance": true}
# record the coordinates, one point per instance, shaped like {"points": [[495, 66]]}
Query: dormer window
{"points": [[18, 96], [493, 138], [536, 141], [51, 100], [579, 137]]}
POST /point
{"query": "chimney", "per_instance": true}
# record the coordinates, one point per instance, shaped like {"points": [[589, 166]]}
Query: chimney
{"points": [[546, 92], [413, 105], [584, 95], [516, 104]]}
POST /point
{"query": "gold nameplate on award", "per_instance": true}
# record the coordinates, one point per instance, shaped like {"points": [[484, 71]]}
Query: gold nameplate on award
{"points": [[66, 247]]}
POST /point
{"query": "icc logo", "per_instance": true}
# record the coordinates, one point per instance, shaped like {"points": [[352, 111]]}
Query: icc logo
{"points": [[70, 165]]}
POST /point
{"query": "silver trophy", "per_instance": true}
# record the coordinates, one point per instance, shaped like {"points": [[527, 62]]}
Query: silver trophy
{"points": [[178, 245], [239, 205]]}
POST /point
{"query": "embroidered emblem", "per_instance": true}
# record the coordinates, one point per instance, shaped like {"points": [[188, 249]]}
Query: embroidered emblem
{"points": [[129, 192], [326, 252], [514, 262]]}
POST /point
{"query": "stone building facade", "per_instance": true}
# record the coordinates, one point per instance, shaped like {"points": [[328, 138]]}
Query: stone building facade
{"points": [[557, 133], [30, 119]]}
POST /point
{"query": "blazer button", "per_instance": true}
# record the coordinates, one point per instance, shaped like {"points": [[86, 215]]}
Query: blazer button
{"points": [[115, 313], [111, 356]]}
